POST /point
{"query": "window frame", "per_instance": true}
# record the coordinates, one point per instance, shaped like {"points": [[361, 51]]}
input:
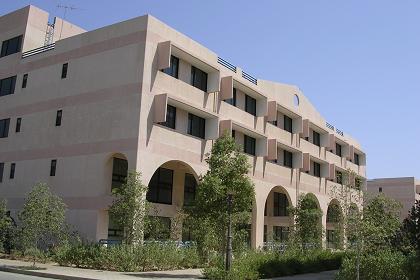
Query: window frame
{"points": [[316, 138], [287, 159], [24, 80], [252, 147], [356, 159], [53, 167], [338, 150], [157, 187], [1, 171], [170, 117], [199, 78], [4, 128], [12, 170], [18, 125], [64, 70], [288, 123], [189, 190], [59, 117], [317, 169], [12, 87], [232, 101], [173, 69], [280, 204], [250, 105], [191, 127], [6, 45]]}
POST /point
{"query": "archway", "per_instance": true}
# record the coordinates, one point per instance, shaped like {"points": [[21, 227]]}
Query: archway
{"points": [[334, 226]]}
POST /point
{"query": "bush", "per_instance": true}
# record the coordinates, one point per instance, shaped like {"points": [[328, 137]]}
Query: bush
{"points": [[379, 265]]}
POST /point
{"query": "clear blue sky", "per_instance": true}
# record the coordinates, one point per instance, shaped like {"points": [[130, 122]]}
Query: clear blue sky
{"points": [[357, 61]]}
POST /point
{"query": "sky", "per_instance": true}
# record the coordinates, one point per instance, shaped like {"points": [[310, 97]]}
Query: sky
{"points": [[357, 61]]}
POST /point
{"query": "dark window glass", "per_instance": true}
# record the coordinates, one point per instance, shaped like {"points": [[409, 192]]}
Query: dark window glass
{"points": [[232, 101], [187, 232], [58, 117], [249, 145], [250, 105], [317, 169], [64, 70], [288, 159], [172, 70], [265, 233], [281, 234], [1, 171], [7, 86], [53, 167], [280, 205], [4, 128], [119, 172], [170, 117], [339, 177], [233, 134], [288, 124], [380, 188], [160, 186], [198, 78], [12, 170], [356, 159], [196, 126], [11, 46], [24, 80], [316, 138], [338, 149], [190, 186], [18, 124]]}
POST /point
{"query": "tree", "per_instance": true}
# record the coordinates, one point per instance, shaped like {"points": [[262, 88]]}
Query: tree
{"points": [[227, 174], [6, 227], [42, 220], [407, 238], [129, 208]]}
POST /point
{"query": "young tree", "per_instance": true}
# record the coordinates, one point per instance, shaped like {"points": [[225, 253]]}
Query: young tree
{"points": [[129, 208], [227, 174], [6, 227], [407, 238]]}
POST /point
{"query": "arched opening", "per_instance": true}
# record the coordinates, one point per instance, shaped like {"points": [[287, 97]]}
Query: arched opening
{"points": [[277, 217], [308, 221], [334, 226], [172, 186]]}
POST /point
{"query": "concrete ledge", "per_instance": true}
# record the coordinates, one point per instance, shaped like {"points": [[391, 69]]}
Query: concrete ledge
{"points": [[42, 274]]}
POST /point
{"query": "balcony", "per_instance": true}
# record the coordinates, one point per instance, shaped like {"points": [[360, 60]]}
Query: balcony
{"points": [[313, 150], [281, 135], [337, 160], [227, 111]]}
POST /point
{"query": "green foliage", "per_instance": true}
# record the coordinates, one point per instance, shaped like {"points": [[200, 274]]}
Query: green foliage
{"points": [[6, 228], [407, 238], [257, 265], [42, 224], [129, 208], [228, 173]]}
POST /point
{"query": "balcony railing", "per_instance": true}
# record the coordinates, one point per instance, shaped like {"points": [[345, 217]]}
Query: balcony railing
{"points": [[38, 50], [226, 64], [248, 77], [339, 132], [330, 126]]}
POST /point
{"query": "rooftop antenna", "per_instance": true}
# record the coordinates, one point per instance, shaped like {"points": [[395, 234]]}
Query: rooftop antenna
{"points": [[65, 8]]}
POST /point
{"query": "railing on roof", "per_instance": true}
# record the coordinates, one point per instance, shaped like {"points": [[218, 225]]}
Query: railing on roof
{"points": [[339, 132], [330, 126], [38, 50], [248, 77], [226, 64]]}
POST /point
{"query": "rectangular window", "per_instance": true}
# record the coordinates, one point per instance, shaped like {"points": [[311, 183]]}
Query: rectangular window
{"points": [[380, 188], [316, 138], [64, 70], [7, 86], [190, 185], [288, 124], [170, 117], [160, 187], [198, 78], [233, 133], [287, 159], [58, 118], [280, 205], [196, 126], [4, 128], [12, 170], [172, 70], [18, 124], [356, 159], [250, 105], [232, 101], [11, 46], [249, 145], [339, 177], [317, 169], [281, 234], [1, 171], [53, 167], [338, 149], [265, 233], [119, 172], [24, 80]]}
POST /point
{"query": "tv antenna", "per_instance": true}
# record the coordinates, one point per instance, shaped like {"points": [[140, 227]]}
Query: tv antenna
{"points": [[65, 8]]}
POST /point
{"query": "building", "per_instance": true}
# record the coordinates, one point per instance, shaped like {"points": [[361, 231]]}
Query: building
{"points": [[79, 108], [406, 190]]}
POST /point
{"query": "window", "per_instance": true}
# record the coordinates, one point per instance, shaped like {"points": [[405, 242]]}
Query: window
{"points": [[11, 46], [196, 126], [380, 188], [1, 171], [53, 167], [58, 118], [280, 205], [356, 159], [24, 80], [250, 105], [232, 101], [7, 86], [119, 172], [287, 159], [316, 138], [170, 117], [265, 233], [198, 78], [338, 149], [190, 186], [358, 183], [160, 186], [12, 170], [233, 133], [249, 145], [172, 70], [64, 70], [18, 124], [339, 177], [317, 169], [331, 239], [281, 234], [4, 128], [288, 124]]}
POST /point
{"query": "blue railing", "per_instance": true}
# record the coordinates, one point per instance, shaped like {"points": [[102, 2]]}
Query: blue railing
{"points": [[330, 126], [339, 132], [226, 64], [38, 50], [248, 77]]}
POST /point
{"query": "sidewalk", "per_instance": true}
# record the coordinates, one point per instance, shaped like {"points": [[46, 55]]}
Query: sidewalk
{"points": [[71, 273]]}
